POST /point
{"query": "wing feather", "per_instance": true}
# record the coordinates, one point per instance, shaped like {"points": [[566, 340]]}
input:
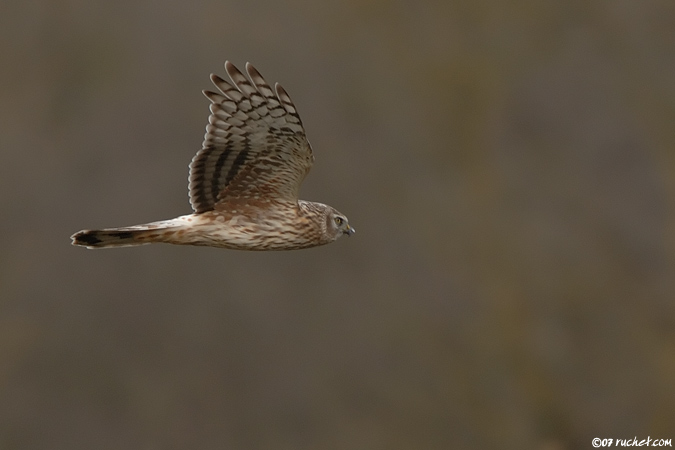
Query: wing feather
{"points": [[254, 147]]}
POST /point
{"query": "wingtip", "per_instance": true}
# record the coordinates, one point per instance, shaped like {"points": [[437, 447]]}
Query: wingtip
{"points": [[254, 74], [283, 95], [230, 67]]}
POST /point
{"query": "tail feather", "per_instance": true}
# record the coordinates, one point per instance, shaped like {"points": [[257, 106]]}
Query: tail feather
{"points": [[112, 237], [162, 231]]}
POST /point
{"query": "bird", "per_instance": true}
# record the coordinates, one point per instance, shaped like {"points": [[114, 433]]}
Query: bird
{"points": [[244, 183]]}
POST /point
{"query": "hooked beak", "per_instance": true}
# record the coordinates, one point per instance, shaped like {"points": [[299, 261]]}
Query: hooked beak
{"points": [[349, 231]]}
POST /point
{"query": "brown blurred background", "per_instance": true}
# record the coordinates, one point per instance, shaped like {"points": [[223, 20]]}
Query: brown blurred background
{"points": [[509, 168]]}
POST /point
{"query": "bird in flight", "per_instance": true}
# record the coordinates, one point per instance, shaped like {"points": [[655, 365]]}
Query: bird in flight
{"points": [[244, 182]]}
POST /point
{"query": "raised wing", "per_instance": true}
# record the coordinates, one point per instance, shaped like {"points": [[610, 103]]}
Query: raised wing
{"points": [[254, 149]]}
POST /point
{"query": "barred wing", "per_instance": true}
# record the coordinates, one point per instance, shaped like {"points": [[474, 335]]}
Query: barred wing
{"points": [[254, 149]]}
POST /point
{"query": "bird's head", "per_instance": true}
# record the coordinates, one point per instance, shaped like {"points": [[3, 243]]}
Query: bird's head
{"points": [[337, 224]]}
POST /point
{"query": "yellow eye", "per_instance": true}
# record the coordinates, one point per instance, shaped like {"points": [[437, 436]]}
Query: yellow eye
{"points": [[339, 221]]}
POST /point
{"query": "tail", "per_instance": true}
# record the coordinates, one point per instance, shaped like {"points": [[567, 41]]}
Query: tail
{"points": [[113, 237], [126, 236]]}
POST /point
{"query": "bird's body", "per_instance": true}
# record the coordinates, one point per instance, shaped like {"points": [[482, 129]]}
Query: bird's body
{"points": [[245, 180], [282, 227]]}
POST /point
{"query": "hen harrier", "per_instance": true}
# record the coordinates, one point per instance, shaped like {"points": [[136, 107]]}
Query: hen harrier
{"points": [[244, 182]]}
